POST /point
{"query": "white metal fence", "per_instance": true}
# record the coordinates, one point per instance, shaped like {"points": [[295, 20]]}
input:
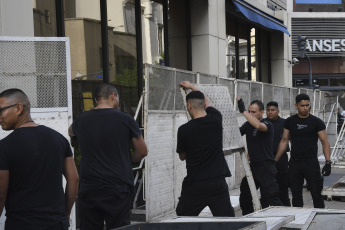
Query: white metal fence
{"points": [[41, 68], [164, 112]]}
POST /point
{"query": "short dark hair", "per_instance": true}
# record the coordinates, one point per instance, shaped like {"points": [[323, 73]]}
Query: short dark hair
{"points": [[195, 95], [104, 90], [272, 103], [17, 95], [301, 97], [259, 104]]}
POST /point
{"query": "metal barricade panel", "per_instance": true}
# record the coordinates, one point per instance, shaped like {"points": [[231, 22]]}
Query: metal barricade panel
{"points": [[255, 91], [268, 93], [231, 85], [182, 76], [220, 98], [278, 95], [162, 89], [160, 165], [207, 79], [243, 91], [293, 94], [286, 99], [36, 67]]}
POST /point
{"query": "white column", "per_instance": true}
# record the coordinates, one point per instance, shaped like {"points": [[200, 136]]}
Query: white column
{"points": [[208, 36]]}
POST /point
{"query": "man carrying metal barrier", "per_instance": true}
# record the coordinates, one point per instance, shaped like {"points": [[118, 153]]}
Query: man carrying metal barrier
{"points": [[200, 143], [259, 136], [304, 130]]}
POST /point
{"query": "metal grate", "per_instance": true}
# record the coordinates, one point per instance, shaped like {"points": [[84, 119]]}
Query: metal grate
{"points": [[268, 93], [255, 91], [36, 67]]}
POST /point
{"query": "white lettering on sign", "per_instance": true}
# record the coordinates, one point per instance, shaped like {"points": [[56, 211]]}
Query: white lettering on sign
{"points": [[326, 45]]}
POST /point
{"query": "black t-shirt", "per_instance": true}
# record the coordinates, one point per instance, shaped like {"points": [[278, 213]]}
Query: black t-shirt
{"points": [[105, 137], [278, 125], [303, 135], [259, 143], [202, 141], [35, 159]]}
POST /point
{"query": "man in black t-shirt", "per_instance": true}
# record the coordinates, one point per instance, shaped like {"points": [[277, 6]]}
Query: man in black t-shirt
{"points": [[304, 130], [200, 143], [259, 135], [105, 136], [33, 159], [272, 111]]}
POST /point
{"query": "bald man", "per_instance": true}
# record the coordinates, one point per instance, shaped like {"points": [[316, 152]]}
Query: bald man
{"points": [[33, 159]]}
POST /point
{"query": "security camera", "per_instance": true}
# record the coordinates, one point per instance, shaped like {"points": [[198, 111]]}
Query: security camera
{"points": [[295, 61]]}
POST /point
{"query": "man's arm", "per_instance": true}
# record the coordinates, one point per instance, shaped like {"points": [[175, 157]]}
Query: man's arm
{"points": [[283, 144], [325, 144], [4, 178], [72, 179], [188, 85], [251, 119], [182, 156], [140, 148], [70, 131]]}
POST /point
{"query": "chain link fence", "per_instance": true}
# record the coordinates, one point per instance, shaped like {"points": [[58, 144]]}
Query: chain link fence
{"points": [[165, 112]]}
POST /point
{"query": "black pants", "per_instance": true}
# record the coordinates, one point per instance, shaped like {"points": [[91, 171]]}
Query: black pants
{"points": [[197, 195], [264, 174], [310, 171], [283, 180], [63, 225], [97, 206]]}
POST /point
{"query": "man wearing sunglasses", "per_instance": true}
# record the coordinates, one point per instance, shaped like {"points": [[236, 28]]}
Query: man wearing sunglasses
{"points": [[259, 135], [32, 160]]}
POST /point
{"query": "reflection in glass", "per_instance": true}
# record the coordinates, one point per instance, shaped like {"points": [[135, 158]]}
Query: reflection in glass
{"points": [[231, 57], [253, 63]]}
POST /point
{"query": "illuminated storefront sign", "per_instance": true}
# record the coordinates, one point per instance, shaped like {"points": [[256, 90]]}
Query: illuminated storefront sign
{"points": [[326, 45]]}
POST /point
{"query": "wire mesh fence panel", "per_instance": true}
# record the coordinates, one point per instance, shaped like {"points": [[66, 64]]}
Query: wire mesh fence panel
{"points": [[38, 68], [310, 93], [160, 199], [162, 88], [317, 100], [207, 79], [278, 94], [267, 93], [305, 91], [230, 84], [182, 76], [220, 99], [293, 94], [243, 91], [255, 91], [286, 99]]}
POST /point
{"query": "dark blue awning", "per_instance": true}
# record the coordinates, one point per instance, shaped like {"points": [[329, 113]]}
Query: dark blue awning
{"points": [[257, 16]]}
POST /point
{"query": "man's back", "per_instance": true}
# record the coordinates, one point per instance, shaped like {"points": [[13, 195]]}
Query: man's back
{"points": [[104, 136], [202, 140], [35, 159]]}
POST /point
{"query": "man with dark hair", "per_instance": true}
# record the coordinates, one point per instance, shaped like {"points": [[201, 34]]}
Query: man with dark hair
{"points": [[272, 112], [304, 130], [105, 136], [33, 159], [200, 143], [259, 135]]}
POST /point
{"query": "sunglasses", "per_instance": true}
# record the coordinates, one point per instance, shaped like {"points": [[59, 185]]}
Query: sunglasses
{"points": [[6, 107]]}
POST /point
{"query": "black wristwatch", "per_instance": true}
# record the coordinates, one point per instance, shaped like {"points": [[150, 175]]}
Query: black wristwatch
{"points": [[329, 162]]}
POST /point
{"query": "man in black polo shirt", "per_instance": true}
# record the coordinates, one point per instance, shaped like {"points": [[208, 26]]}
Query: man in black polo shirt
{"points": [[200, 143], [304, 130], [272, 112], [259, 135]]}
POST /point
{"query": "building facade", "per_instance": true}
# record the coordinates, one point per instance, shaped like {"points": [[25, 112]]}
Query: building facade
{"points": [[322, 22]]}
